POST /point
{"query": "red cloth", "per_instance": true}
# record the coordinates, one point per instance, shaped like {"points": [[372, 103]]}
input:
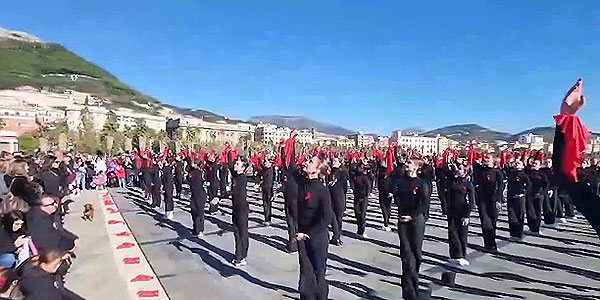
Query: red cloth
{"points": [[288, 148], [471, 155], [575, 134], [120, 171], [389, 159], [503, 158]]}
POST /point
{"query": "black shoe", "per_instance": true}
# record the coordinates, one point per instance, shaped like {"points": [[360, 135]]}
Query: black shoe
{"points": [[292, 248], [337, 242]]}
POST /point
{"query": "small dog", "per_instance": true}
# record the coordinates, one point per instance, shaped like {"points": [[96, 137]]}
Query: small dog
{"points": [[88, 212]]}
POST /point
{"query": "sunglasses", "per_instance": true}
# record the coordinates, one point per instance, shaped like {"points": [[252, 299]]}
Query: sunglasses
{"points": [[49, 204]]}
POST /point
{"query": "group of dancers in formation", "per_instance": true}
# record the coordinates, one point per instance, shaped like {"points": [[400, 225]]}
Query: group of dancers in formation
{"points": [[315, 189]]}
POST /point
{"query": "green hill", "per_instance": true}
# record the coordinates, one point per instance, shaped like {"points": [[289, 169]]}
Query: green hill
{"points": [[48, 65]]}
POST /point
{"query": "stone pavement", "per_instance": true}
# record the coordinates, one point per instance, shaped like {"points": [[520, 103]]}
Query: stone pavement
{"points": [[562, 264], [94, 274]]}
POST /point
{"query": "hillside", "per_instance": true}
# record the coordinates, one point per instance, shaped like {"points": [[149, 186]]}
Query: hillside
{"points": [[465, 132], [303, 123], [26, 60], [546, 131]]}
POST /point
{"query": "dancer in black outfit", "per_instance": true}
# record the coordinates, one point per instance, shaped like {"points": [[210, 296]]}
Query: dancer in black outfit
{"points": [[412, 196], [241, 209], [266, 185], [167, 179], [488, 187], [213, 183], [223, 180], [518, 186], [461, 201], [337, 182], [156, 184], [198, 199], [362, 186], [290, 196], [384, 184], [535, 198], [146, 179], [178, 178], [314, 216]]}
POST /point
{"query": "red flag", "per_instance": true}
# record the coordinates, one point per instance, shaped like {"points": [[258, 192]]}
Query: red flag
{"points": [[471, 155], [288, 148], [389, 159]]}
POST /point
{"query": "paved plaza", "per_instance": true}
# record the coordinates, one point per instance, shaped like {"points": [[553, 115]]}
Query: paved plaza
{"points": [[562, 264]]}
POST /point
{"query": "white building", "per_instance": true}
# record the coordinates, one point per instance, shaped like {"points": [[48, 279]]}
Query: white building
{"points": [[424, 145], [362, 140], [220, 131], [8, 141], [383, 141], [267, 133], [530, 138]]}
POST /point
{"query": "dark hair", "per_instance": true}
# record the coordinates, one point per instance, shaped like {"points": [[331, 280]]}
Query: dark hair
{"points": [[46, 256], [9, 218], [7, 277]]}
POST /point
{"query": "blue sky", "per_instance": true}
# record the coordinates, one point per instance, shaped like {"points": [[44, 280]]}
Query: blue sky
{"points": [[366, 65]]}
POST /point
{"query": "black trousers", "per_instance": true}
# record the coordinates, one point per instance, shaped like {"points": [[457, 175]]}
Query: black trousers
{"points": [[488, 215], [385, 202], [534, 211], [223, 189], [551, 207], [441, 190], [567, 203], [240, 232], [457, 236], [313, 253], [338, 204], [360, 211], [155, 198], [267, 197], [516, 215], [411, 244], [213, 188], [291, 218], [197, 203], [178, 186], [169, 199]]}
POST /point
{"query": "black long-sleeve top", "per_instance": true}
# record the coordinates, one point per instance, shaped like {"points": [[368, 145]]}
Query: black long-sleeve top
{"points": [[51, 182], [239, 185], [167, 177], [490, 182], [266, 176], [156, 179], [427, 173], [314, 207], [223, 174], [460, 195], [46, 232], [38, 284], [539, 182], [362, 186], [411, 196], [196, 183], [518, 184], [211, 173], [336, 181], [179, 171]]}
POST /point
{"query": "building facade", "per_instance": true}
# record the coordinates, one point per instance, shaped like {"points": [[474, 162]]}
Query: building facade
{"points": [[422, 144], [18, 121], [362, 140]]}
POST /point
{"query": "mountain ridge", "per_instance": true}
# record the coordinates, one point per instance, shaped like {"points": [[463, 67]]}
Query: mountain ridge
{"points": [[301, 122]]}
